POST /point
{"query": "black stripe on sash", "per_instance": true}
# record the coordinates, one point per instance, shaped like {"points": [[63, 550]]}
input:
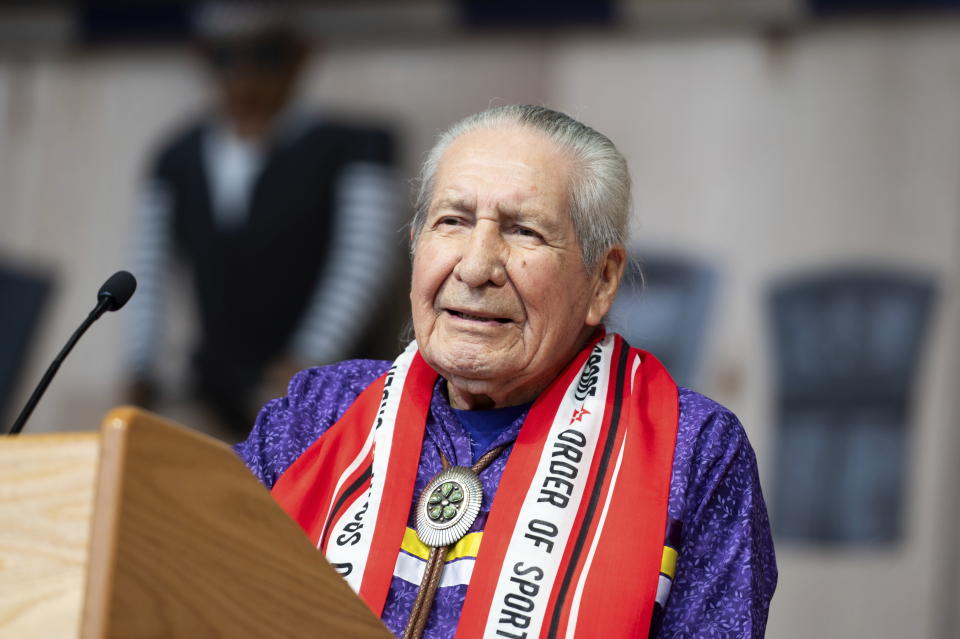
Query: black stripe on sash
{"points": [[352, 488], [595, 495]]}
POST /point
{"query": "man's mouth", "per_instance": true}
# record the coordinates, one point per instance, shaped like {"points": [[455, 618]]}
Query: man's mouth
{"points": [[478, 318]]}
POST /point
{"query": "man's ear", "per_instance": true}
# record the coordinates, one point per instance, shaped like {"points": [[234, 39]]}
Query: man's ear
{"points": [[412, 240], [607, 281]]}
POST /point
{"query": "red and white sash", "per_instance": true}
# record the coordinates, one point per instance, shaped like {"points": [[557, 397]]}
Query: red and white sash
{"points": [[574, 540]]}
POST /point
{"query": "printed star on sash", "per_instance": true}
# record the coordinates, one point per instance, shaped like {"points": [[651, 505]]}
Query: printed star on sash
{"points": [[578, 414]]}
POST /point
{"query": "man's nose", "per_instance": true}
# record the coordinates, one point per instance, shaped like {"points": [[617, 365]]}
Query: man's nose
{"points": [[483, 257]]}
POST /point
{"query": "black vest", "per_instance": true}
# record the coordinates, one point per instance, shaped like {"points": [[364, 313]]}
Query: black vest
{"points": [[254, 281]]}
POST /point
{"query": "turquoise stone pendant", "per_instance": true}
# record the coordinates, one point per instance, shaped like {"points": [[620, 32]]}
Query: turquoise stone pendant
{"points": [[448, 506]]}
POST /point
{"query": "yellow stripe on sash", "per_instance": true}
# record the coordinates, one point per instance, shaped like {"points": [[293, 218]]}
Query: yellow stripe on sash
{"points": [[466, 547], [668, 564]]}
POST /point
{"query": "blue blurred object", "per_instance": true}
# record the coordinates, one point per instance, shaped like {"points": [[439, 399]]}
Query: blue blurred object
{"points": [[100, 22], [663, 307], [847, 345], [535, 13], [832, 8], [23, 295]]}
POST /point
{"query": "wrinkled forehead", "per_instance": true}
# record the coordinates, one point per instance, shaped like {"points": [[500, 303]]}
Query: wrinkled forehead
{"points": [[510, 162]]}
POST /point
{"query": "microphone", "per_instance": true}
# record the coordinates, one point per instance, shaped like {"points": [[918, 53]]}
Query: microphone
{"points": [[114, 293]]}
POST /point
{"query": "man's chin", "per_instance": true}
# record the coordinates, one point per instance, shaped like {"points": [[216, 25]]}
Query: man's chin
{"points": [[473, 374]]}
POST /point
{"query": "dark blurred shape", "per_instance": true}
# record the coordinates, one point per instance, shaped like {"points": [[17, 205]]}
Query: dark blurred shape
{"points": [[23, 295], [535, 13], [271, 53], [847, 345], [830, 8], [663, 307]]}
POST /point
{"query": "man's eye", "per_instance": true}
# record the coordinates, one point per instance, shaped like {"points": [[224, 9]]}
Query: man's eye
{"points": [[449, 221], [525, 232]]}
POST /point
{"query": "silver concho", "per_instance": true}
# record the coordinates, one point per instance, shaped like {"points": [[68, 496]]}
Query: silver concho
{"points": [[448, 506]]}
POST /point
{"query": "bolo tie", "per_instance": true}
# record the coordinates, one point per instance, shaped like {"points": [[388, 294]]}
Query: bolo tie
{"points": [[447, 508]]}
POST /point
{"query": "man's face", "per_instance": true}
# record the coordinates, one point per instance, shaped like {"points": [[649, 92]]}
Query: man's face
{"points": [[256, 77], [500, 297]]}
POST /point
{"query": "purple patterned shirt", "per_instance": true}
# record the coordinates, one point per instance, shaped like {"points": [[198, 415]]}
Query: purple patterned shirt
{"points": [[726, 571]]}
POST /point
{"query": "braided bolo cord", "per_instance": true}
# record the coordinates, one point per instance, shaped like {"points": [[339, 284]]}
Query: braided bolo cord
{"points": [[420, 610]]}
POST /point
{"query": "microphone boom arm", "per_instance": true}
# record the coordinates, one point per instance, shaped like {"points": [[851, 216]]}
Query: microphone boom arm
{"points": [[112, 296]]}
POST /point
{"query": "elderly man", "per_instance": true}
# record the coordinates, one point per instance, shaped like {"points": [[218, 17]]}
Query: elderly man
{"points": [[517, 472]]}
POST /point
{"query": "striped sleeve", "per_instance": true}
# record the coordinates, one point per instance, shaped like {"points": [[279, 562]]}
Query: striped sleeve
{"points": [[152, 246], [361, 258]]}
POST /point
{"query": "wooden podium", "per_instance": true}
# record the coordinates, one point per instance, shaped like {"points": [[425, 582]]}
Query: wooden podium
{"points": [[148, 529]]}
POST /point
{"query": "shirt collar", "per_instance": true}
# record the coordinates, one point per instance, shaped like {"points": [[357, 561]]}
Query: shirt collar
{"points": [[449, 435]]}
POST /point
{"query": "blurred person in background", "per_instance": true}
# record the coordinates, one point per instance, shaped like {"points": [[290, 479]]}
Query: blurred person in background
{"points": [[518, 468], [284, 220]]}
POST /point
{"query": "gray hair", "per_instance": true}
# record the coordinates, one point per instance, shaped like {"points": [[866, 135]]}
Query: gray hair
{"points": [[599, 195]]}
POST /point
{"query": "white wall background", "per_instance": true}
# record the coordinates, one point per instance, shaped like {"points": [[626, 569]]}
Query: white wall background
{"points": [[839, 145]]}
